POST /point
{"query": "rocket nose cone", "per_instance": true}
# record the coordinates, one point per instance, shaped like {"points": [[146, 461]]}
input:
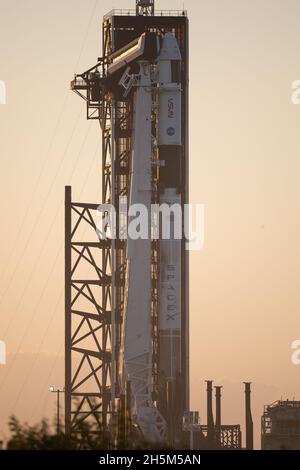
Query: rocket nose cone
{"points": [[169, 48], [169, 35]]}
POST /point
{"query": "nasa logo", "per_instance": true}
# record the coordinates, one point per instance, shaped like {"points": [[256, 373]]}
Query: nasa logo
{"points": [[171, 131], [171, 113]]}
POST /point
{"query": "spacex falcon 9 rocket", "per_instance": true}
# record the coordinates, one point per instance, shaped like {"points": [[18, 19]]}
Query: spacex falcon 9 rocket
{"points": [[153, 71], [162, 79]]}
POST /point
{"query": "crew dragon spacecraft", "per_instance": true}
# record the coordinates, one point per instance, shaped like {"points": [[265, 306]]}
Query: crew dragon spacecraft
{"points": [[141, 91]]}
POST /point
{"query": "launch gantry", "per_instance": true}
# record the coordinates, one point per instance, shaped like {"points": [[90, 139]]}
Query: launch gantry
{"points": [[127, 344]]}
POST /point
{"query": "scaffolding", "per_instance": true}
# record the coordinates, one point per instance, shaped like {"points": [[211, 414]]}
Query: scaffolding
{"points": [[280, 426], [115, 116], [88, 319]]}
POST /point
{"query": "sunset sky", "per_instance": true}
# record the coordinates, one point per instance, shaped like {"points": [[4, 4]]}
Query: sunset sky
{"points": [[244, 167]]}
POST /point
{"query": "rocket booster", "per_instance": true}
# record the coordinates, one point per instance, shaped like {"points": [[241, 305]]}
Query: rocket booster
{"points": [[170, 155], [154, 420]]}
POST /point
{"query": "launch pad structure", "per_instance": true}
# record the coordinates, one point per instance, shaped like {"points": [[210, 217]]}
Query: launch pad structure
{"points": [[127, 301], [96, 270]]}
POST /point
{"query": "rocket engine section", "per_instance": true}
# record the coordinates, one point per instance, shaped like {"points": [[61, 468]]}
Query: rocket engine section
{"points": [[170, 155]]}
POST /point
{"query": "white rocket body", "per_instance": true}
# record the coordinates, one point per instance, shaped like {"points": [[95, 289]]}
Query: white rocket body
{"points": [[169, 127], [137, 343], [170, 154]]}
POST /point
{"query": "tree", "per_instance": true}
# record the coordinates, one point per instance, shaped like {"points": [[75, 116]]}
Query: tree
{"points": [[37, 437]]}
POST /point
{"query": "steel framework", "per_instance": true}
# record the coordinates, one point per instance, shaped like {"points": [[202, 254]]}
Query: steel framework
{"points": [[115, 121], [228, 437], [115, 117], [88, 319]]}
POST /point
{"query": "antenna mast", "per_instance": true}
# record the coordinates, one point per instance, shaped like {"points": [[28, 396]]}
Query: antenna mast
{"points": [[145, 7]]}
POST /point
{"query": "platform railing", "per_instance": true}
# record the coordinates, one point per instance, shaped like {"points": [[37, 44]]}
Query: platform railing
{"points": [[123, 12]]}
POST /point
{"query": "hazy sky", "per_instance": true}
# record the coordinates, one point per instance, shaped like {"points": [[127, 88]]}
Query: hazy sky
{"points": [[245, 166]]}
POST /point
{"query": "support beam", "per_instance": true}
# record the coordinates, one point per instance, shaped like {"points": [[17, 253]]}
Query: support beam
{"points": [[88, 335], [68, 365]]}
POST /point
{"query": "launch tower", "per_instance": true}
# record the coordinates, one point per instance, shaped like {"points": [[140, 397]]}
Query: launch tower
{"points": [[127, 320]]}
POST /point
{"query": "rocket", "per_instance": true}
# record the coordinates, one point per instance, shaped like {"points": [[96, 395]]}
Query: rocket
{"points": [[155, 417], [170, 188]]}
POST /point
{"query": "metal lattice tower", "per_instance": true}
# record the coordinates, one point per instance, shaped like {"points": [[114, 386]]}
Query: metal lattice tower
{"points": [[88, 319], [92, 385]]}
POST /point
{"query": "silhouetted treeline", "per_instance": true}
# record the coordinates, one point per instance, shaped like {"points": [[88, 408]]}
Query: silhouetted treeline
{"points": [[42, 437]]}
